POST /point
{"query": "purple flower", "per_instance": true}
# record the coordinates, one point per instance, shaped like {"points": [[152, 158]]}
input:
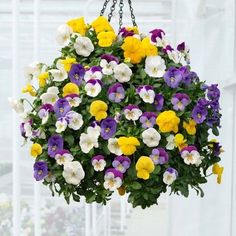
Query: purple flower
{"points": [[55, 144], [167, 49], [199, 114], [108, 128], [173, 77], [109, 58], [213, 92], [98, 162], [188, 77], [95, 72], [115, 172], [121, 163], [147, 93], [157, 33], [159, 102], [116, 93], [159, 156], [189, 149], [23, 126], [112, 179], [172, 171], [40, 170], [61, 107], [125, 33], [180, 101], [148, 119], [181, 47], [76, 74], [216, 148]]}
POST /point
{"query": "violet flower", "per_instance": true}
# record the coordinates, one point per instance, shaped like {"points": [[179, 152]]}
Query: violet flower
{"points": [[40, 170], [61, 107], [159, 156], [159, 102], [108, 128], [113, 179], [173, 77], [157, 33], [213, 92], [148, 119], [121, 163], [76, 74], [199, 114], [180, 101], [125, 33], [116, 93], [55, 144]]}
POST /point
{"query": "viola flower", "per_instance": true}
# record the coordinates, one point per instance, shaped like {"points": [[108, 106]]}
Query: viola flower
{"points": [[55, 143], [108, 128], [113, 179], [170, 175], [199, 114], [116, 93], [168, 121], [61, 125], [63, 156], [40, 170], [51, 96], [147, 93], [93, 87], [122, 73], [98, 163], [106, 38], [121, 163], [158, 102], [26, 129], [151, 137], [73, 172], [180, 141], [216, 147], [190, 155], [108, 63], [128, 145], [44, 112], [125, 32], [70, 88], [74, 119], [98, 109], [149, 48], [159, 156], [132, 112], [213, 93], [144, 167], [158, 37], [61, 107], [65, 64], [78, 25], [173, 77], [188, 77], [95, 72], [218, 170], [114, 147], [73, 99], [170, 142], [63, 34], [83, 46], [190, 127], [18, 107], [36, 150], [58, 75], [148, 119], [155, 66], [76, 74], [101, 24], [29, 89], [180, 101]]}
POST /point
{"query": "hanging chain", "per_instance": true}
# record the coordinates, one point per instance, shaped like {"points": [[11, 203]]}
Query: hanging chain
{"points": [[104, 7], [112, 9], [132, 13], [121, 14]]}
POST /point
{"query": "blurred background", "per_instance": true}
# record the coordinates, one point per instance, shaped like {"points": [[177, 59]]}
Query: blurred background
{"points": [[27, 33]]}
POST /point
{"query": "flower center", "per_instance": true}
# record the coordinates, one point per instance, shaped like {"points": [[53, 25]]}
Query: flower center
{"points": [[111, 183], [54, 148], [172, 79], [40, 172], [107, 130], [61, 110], [199, 115]]}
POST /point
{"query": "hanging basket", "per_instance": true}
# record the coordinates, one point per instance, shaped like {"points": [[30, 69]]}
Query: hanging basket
{"points": [[120, 112]]}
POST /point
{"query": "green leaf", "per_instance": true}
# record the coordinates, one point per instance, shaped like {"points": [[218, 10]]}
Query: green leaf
{"points": [[136, 185], [70, 140]]}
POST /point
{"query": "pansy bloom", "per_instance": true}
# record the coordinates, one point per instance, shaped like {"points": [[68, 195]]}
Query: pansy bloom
{"points": [[180, 101], [98, 162], [170, 175], [132, 112], [63, 156], [147, 93], [116, 93], [173, 77], [148, 119], [121, 163], [108, 128], [95, 72], [159, 156], [113, 179], [76, 74], [190, 155], [108, 63], [44, 112], [55, 144], [73, 99], [40, 170], [93, 87], [158, 102], [61, 107]]}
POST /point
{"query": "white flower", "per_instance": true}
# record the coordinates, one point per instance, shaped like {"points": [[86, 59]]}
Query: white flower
{"points": [[151, 137], [73, 100], [93, 89], [18, 107], [88, 142], [95, 131], [108, 67], [155, 66], [199, 161], [162, 42], [169, 178], [111, 182], [58, 75], [89, 74], [44, 115], [63, 34], [28, 130], [192, 157], [73, 172], [148, 96], [114, 147], [61, 125], [75, 120], [62, 158], [174, 56], [32, 71], [99, 165], [122, 73], [133, 114], [170, 142], [83, 46], [51, 96]]}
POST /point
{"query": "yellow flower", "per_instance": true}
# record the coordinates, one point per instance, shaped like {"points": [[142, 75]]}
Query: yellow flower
{"points": [[133, 29], [133, 50], [144, 167], [218, 170], [36, 150], [98, 109], [150, 49], [101, 24], [29, 89], [128, 145], [78, 25], [70, 88], [67, 63], [180, 142], [42, 79], [168, 121], [106, 38], [190, 127]]}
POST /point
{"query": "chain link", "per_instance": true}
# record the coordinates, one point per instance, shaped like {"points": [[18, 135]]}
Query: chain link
{"points": [[121, 14], [112, 9], [132, 13], [104, 7]]}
